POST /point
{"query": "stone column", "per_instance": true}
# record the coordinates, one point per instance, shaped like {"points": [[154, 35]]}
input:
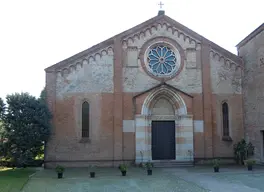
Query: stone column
{"points": [[184, 138], [143, 147]]}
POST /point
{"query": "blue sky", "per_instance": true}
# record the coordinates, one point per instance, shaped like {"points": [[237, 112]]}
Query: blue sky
{"points": [[36, 34]]}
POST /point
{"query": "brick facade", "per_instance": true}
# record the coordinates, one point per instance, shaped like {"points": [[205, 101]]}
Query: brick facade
{"points": [[111, 76]]}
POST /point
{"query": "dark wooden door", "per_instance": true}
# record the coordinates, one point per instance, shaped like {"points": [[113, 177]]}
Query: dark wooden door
{"points": [[163, 140]]}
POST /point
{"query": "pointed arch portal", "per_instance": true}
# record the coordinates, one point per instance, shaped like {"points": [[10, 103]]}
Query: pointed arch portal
{"points": [[164, 130], [172, 97]]}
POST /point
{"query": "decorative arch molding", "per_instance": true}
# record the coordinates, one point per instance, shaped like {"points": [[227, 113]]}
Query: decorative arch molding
{"points": [[154, 27], [167, 99], [228, 63], [84, 60], [227, 69], [171, 96]]}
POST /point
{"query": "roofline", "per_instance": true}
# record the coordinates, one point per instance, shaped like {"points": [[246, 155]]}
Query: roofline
{"points": [[80, 54], [105, 42], [128, 32], [226, 53], [218, 48], [251, 36]]}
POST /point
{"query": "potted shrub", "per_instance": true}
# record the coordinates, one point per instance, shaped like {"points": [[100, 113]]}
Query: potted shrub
{"points": [[92, 171], [149, 165], [249, 163], [242, 151], [123, 169], [60, 170], [216, 165]]}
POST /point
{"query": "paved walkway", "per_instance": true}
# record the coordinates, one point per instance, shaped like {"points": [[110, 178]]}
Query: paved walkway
{"points": [[163, 180]]}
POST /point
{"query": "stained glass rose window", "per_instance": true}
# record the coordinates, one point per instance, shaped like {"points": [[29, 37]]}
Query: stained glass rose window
{"points": [[161, 60]]}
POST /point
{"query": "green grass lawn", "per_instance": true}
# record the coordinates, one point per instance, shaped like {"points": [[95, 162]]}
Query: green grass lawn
{"points": [[12, 180]]}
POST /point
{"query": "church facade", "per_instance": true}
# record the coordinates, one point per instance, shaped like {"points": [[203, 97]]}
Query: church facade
{"points": [[156, 92]]}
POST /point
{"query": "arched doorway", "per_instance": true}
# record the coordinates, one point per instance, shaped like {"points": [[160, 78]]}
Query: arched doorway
{"points": [[164, 130]]}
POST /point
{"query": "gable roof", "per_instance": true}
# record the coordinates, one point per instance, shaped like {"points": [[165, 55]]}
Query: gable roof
{"points": [[160, 85], [251, 36], [132, 30]]}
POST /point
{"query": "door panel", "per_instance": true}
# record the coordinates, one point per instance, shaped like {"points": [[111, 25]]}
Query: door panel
{"points": [[163, 140]]}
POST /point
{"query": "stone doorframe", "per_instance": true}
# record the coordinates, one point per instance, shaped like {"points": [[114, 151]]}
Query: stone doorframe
{"points": [[183, 126]]}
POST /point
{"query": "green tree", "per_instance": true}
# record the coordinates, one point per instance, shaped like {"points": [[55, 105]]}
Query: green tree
{"points": [[1, 139], [42, 96], [27, 127], [2, 108], [2, 111]]}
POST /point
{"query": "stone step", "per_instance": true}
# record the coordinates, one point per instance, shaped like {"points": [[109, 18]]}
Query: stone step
{"points": [[173, 164]]}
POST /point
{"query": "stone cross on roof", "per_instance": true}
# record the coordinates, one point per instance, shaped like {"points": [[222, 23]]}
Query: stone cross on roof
{"points": [[161, 12], [160, 4]]}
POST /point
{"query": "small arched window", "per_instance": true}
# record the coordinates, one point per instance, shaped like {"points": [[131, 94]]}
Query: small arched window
{"points": [[85, 119], [225, 119]]}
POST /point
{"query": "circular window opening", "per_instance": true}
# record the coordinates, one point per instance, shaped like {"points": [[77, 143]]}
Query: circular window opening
{"points": [[162, 60]]}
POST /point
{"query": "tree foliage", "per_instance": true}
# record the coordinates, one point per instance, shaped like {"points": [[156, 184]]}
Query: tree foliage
{"points": [[2, 108], [2, 111], [243, 150], [27, 126], [43, 95]]}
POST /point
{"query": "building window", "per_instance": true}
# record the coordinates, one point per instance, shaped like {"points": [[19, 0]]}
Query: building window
{"points": [[85, 119], [225, 119], [162, 60]]}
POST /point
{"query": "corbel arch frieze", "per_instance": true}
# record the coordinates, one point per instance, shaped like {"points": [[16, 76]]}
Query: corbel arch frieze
{"points": [[227, 63], [227, 71], [152, 29], [80, 62]]}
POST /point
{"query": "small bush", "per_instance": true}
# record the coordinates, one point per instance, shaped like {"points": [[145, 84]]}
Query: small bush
{"points": [[249, 162], [216, 163], [148, 165], [60, 169], [123, 167]]}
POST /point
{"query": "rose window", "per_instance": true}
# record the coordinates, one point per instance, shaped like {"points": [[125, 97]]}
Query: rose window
{"points": [[161, 60]]}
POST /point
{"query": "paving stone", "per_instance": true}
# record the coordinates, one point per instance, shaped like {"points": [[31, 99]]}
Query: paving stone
{"points": [[110, 180], [165, 180]]}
